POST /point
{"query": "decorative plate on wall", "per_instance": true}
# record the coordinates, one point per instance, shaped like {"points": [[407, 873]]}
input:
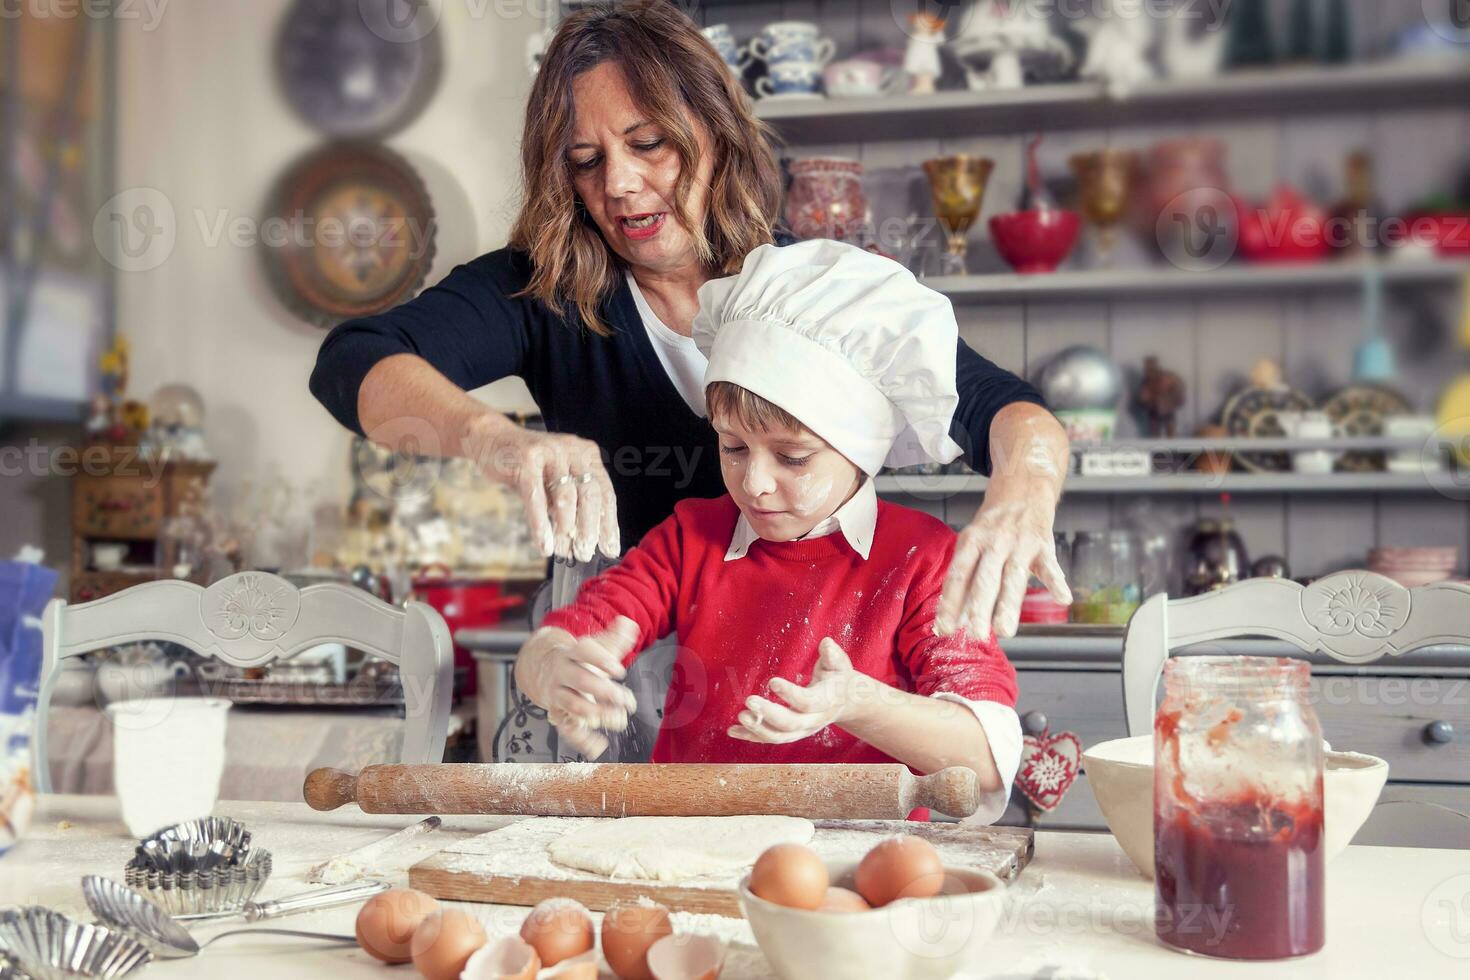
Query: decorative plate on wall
{"points": [[358, 68], [1359, 410], [349, 232], [1255, 412]]}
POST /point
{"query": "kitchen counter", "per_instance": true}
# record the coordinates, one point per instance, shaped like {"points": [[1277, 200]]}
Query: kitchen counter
{"points": [[1080, 905]]}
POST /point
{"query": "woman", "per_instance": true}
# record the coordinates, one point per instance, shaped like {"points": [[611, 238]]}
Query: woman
{"points": [[645, 174]]}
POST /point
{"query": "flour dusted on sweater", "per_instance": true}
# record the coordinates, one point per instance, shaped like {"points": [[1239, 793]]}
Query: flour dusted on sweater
{"points": [[739, 623]]}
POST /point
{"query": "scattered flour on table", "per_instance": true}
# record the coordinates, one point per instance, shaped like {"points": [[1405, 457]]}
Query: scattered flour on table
{"points": [[675, 848], [521, 850]]}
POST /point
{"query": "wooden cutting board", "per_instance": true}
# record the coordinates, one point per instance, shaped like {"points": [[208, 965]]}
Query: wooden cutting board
{"points": [[510, 866]]}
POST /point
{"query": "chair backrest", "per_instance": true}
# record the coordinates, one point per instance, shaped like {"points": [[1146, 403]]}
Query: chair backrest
{"points": [[252, 618], [1354, 616]]}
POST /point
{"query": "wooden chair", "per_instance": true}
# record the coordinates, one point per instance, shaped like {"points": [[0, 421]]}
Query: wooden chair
{"points": [[250, 619], [1354, 616]]}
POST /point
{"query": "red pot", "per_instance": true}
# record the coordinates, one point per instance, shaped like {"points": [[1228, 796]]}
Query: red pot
{"points": [[465, 603], [1035, 241], [1288, 228]]}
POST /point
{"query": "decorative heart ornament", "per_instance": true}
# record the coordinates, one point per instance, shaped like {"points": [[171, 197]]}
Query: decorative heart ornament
{"points": [[1048, 767]]}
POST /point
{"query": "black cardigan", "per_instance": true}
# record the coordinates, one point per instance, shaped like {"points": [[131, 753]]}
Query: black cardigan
{"points": [[611, 390]]}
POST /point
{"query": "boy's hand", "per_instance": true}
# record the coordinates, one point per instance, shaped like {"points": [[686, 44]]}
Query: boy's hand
{"points": [[826, 700], [575, 680]]}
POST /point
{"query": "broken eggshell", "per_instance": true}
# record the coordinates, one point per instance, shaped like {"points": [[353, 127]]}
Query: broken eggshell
{"points": [[583, 966], [686, 958], [507, 958]]}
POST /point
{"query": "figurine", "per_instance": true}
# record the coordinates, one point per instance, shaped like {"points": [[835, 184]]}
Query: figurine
{"points": [[1193, 46], [1003, 41], [921, 56], [1117, 52], [99, 419], [1160, 395]]}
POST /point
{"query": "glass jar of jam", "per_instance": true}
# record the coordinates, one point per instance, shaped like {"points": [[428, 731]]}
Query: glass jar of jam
{"points": [[1238, 842]]}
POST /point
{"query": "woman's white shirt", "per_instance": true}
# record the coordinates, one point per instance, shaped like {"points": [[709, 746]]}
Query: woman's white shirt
{"points": [[681, 357]]}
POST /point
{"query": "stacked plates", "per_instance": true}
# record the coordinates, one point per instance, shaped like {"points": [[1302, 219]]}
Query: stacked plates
{"points": [[1411, 567], [200, 867]]}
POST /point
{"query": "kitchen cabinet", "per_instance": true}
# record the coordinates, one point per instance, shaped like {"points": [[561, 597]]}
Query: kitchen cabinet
{"points": [[1383, 709], [123, 500]]}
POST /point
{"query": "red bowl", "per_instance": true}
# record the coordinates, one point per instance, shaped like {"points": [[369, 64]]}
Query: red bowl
{"points": [[1035, 241]]}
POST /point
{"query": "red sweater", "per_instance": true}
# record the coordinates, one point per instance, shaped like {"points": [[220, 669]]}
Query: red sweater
{"points": [[742, 622]]}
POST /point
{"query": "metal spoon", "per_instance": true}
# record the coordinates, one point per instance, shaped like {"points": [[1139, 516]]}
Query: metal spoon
{"points": [[120, 906]]}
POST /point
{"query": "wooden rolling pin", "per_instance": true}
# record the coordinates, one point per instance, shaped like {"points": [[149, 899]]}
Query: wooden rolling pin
{"points": [[850, 792]]}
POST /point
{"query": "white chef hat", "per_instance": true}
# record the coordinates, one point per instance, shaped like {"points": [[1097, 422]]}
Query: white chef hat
{"points": [[845, 340]]}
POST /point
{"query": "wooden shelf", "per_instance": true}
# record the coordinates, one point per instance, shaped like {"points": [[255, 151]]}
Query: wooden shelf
{"points": [[1455, 486], [1133, 283], [1353, 88]]}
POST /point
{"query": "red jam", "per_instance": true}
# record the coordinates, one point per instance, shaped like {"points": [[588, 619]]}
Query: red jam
{"points": [[1249, 886]]}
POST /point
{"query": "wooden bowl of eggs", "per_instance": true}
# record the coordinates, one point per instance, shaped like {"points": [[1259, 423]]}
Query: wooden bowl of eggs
{"points": [[896, 913]]}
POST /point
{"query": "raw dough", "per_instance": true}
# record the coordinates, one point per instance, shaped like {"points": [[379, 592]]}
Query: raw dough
{"points": [[673, 848]]}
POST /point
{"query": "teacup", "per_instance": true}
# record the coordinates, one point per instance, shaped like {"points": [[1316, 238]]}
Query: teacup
{"points": [[858, 77], [791, 40], [790, 78], [724, 42], [1309, 425]]}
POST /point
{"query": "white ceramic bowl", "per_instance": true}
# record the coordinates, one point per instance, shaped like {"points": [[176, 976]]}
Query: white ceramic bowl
{"points": [[925, 939], [1121, 774]]}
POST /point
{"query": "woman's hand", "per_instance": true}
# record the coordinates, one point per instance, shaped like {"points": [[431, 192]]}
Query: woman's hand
{"points": [[826, 700], [1010, 538], [569, 499], [575, 680]]}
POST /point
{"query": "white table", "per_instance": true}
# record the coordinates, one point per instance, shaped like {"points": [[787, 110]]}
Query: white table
{"points": [[1392, 912]]}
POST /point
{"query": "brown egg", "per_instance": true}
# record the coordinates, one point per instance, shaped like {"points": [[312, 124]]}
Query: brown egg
{"points": [[790, 875], [687, 958], [444, 942], [900, 867], [844, 900], [628, 929], [386, 923], [559, 928], [508, 958]]}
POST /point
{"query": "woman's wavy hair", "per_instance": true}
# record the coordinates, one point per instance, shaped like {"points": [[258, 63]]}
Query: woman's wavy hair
{"points": [[676, 76]]}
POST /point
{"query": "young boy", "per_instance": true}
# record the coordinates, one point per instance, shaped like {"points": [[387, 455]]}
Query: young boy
{"points": [[803, 605]]}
